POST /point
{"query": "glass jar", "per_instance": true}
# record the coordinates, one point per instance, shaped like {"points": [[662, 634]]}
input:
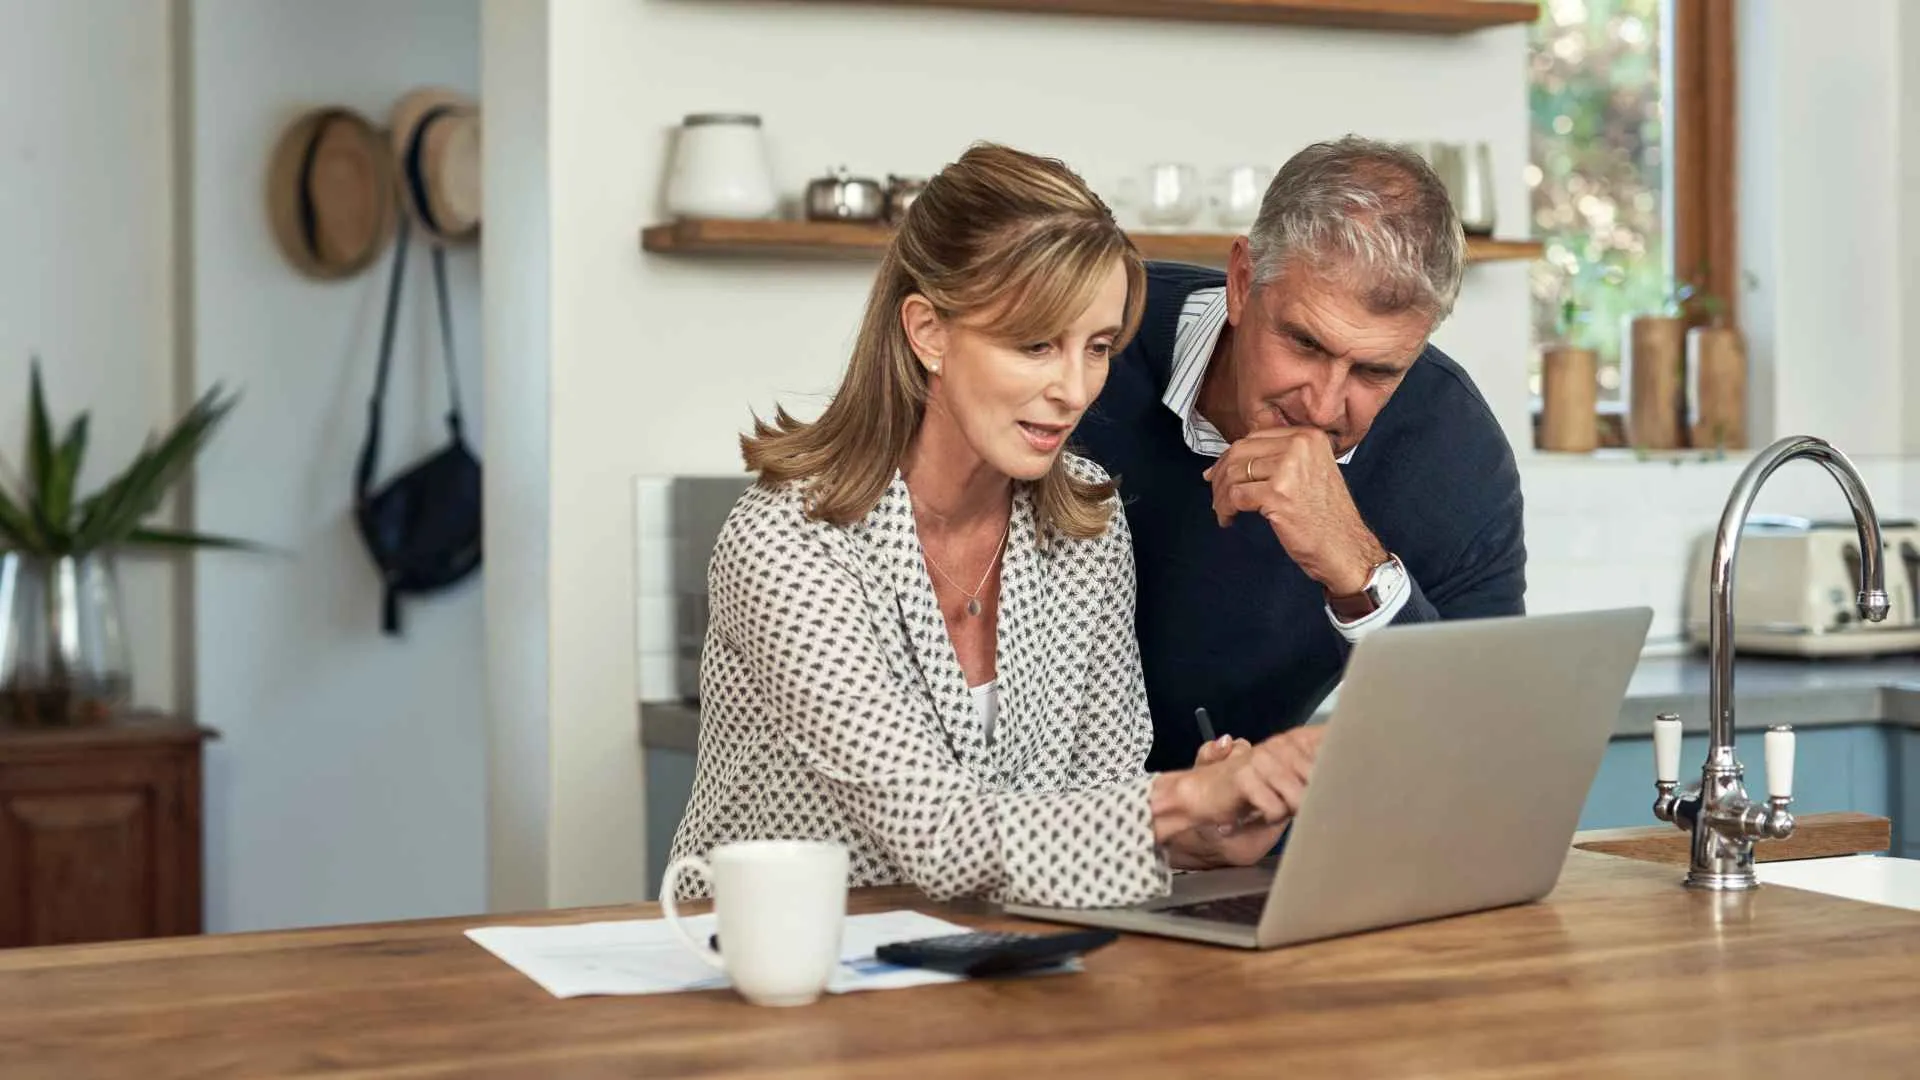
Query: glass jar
{"points": [[63, 647]]}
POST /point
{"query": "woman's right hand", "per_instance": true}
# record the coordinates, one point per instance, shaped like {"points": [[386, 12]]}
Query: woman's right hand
{"points": [[1229, 785]]}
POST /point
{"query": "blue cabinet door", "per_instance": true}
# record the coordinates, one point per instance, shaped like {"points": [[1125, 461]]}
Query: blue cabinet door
{"points": [[669, 782]]}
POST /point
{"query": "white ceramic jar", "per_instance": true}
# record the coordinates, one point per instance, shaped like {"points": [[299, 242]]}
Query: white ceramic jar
{"points": [[720, 169]]}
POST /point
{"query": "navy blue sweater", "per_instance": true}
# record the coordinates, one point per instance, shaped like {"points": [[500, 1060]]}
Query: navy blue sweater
{"points": [[1225, 618]]}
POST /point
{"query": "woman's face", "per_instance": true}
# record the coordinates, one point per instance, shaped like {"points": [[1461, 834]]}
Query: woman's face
{"points": [[1015, 402]]}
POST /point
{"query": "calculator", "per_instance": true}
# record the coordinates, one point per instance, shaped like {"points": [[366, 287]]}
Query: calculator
{"points": [[993, 952]]}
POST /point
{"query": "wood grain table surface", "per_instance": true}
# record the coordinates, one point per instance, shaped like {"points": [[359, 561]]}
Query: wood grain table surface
{"points": [[1620, 971]]}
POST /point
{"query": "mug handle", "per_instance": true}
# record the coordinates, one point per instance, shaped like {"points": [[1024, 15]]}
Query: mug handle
{"points": [[668, 881]]}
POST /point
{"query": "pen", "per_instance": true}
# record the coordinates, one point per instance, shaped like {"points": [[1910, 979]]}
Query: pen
{"points": [[1206, 725]]}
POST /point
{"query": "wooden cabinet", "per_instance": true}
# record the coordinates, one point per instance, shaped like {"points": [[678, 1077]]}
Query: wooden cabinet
{"points": [[100, 834]]}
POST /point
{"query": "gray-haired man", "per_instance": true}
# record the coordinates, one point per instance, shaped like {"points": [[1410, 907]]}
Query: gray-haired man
{"points": [[1299, 465]]}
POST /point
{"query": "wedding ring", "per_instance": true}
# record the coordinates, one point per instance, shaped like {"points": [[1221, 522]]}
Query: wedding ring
{"points": [[1249, 470]]}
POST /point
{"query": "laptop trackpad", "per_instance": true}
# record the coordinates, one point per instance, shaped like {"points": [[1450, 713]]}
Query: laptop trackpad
{"points": [[1214, 884]]}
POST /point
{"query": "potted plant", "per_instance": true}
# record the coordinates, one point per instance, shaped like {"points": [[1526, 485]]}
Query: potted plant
{"points": [[1570, 361], [1716, 391], [1569, 385], [63, 650], [1655, 363]]}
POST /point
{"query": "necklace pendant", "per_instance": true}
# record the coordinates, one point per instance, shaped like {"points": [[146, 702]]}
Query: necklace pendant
{"points": [[973, 605]]}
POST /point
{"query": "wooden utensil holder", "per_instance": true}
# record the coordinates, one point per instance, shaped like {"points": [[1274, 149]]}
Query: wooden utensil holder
{"points": [[1717, 387], [1655, 355], [1569, 399]]}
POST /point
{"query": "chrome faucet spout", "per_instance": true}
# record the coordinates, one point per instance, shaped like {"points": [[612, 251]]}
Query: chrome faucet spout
{"points": [[1724, 821], [1873, 582]]}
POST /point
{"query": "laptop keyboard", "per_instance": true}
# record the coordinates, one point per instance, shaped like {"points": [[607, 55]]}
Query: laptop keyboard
{"points": [[1239, 910]]}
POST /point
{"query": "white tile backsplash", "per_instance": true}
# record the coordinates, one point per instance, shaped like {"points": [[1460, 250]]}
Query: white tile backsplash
{"points": [[659, 677], [654, 571], [652, 507], [656, 624], [654, 662]]}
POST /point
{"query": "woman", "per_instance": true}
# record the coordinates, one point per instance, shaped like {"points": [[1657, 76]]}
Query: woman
{"points": [[920, 640]]}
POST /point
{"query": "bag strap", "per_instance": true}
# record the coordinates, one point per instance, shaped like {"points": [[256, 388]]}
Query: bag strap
{"points": [[370, 449], [446, 341]]}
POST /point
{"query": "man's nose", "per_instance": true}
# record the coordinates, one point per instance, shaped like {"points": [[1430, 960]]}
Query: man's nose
{"points": [[1327, 401]]}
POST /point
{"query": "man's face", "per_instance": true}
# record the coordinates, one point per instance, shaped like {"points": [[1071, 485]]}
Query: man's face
{"points": [[1306, 352]]}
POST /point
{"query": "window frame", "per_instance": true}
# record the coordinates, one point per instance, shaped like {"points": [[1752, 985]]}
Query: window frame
{"points": [[1703, 86]]}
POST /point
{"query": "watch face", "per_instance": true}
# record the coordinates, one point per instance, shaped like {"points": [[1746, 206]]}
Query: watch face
{"points": [[1386, 578]]}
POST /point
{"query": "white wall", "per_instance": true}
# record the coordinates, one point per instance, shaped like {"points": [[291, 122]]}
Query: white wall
{"points": [[1907, 214], [86, 249], [1829, 153], [348, 782]]}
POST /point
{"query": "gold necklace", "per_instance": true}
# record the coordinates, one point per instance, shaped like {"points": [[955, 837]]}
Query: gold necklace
{"points": [[973, 598]]}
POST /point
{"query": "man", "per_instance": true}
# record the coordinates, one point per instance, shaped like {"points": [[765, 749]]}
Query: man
{"points": [[1299, 465]]}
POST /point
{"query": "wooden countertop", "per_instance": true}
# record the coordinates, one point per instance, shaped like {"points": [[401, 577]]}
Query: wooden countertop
{"points": [[1619, 972]]}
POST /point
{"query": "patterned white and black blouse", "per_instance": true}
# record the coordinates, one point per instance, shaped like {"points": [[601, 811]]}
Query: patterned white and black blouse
{"points": [[832, 706]]}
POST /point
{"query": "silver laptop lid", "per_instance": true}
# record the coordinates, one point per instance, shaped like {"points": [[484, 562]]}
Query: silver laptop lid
{"points": [[1453, 770]]}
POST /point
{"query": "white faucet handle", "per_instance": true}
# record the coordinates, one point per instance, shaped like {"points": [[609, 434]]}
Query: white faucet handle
{"points": [[1666, 748], [1780, 762]]}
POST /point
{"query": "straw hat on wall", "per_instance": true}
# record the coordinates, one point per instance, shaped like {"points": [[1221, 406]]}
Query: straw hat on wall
{"points": [[436, 151], [330, 192]]}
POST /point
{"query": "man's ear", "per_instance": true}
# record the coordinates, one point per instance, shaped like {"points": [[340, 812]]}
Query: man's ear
{"points": [[1239, 279]]}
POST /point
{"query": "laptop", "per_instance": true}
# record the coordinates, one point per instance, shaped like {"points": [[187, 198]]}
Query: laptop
{"points": [[1450, 780]]}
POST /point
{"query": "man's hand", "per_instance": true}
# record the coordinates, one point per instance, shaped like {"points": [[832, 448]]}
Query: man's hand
{"points": [[1289, 476], [1280, 765], [1285, 763]]}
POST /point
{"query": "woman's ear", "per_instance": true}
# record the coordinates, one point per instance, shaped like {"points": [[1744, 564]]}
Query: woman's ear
{"points": [[926, 330]]}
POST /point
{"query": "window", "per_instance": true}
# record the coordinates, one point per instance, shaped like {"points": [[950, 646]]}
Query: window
{"points": [[1632, 166]]}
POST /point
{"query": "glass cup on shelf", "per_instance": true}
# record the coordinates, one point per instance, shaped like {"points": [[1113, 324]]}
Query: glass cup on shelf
{"points": [[1467, 171], [1167, 198], [1475, 198], [1235, 196]]}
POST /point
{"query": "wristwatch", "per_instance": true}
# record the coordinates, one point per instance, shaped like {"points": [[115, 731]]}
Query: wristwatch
{"points": [[1383, 581]]}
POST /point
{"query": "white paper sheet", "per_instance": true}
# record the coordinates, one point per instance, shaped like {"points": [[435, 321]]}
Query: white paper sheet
{"points": [[645, 956]]}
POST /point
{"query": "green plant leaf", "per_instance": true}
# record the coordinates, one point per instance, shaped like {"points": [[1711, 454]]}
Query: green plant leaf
{"points": [[39, 438], [56, 498], [118, 509], [18, 530], [177, 538]]}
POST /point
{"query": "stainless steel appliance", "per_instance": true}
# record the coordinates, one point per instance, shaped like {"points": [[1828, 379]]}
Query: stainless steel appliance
{"points": [[1795, 591]]}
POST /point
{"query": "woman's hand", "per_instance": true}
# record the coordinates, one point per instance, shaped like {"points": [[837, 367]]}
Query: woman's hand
{"points": [[1243, 795], [1207, 846]]}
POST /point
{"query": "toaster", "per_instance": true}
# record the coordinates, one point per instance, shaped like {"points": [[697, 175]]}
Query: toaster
{"points": [[1796, 584]]}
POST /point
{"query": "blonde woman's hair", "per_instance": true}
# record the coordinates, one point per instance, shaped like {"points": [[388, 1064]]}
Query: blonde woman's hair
{"points": [[998, 232]]}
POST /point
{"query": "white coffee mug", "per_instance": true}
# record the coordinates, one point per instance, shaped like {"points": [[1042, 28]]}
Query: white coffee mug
{"points": [[779, 906]]}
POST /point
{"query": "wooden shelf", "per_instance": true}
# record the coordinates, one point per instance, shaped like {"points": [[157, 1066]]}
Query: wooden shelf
{"points": [[1410, 16], [838, 240]]}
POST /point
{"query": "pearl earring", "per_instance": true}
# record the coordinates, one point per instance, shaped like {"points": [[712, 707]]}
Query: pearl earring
{"points": [[934, 368]]}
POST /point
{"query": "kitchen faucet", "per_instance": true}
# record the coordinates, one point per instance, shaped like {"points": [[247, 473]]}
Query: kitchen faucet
{"points": [[1723, 819]]}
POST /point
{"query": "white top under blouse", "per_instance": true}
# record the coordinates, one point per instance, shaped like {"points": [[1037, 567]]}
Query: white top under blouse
{"points": [[986, 705]]}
